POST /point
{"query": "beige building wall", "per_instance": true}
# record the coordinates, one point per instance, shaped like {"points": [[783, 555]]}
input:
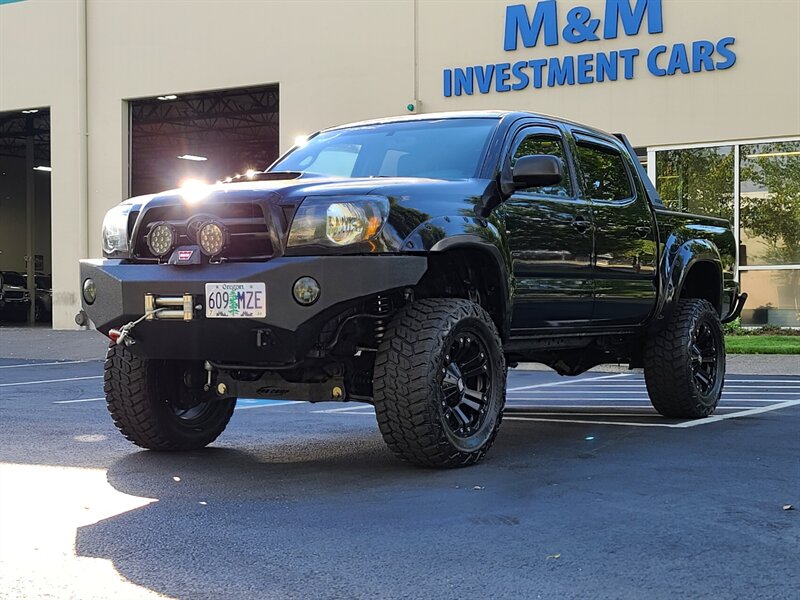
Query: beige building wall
{"points": [[42, 64], [343, 60]]}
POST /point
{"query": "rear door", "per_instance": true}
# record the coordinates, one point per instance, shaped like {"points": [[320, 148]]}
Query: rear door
{"points": [[549, 234], [625, 255]]}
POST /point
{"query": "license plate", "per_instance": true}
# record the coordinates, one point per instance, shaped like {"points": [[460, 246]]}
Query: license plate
{"points": [[236, 300]]}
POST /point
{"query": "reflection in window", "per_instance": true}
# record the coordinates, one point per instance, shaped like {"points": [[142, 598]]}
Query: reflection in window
{"points": [[604, 174], [539, 144], [770, 204], [774, 297], [697, 180]]}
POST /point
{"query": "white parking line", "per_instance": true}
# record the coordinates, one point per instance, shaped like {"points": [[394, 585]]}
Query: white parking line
{"points": [[74, 401], [641, 385], [567, 382], [744, 413], [640, 399], [587, 422], [47, 364], [50, 381], [341, 410], [279, 403], [725, 392]]}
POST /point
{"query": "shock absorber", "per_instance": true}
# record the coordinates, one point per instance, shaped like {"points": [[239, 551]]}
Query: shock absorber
{"points": [[383, 306]]}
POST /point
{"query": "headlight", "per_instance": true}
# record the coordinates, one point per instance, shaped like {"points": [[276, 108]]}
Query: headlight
{"points": [[115, 231], [338, 220]]}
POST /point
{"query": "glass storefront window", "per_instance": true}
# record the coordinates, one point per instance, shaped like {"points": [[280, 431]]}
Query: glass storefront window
{"points": [[697, 180], [770, 204], [774, 297]]}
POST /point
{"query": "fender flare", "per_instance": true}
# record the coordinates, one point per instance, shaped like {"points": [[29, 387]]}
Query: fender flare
{"points": [[680, 256]]}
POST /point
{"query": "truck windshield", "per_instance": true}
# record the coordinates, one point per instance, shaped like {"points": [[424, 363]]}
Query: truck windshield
{"points": [[436, 149]]}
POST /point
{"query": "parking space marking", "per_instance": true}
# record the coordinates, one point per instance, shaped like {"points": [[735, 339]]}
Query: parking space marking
{"points": [[247, 403], [567, 382], [744, 413], [51, 380], [47, 364], [76, 401], [343, 410]]}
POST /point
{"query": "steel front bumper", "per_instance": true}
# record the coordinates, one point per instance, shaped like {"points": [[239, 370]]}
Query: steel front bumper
{"points": [[283, 336]]}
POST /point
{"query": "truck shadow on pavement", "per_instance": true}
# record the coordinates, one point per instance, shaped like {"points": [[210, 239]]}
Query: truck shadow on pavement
{"points": [[336, 517]]}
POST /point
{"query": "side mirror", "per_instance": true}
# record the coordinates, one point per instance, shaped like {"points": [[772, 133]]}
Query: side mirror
{"points": [[537, 170]]}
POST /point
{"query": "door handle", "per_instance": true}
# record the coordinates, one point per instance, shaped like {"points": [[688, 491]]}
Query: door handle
{"points": [[581, 224], [644, 231]]}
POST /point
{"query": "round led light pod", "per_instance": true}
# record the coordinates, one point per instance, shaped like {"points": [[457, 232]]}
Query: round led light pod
{"points": [[211, 237], [89, 291], [161, 238], [306, 291]]}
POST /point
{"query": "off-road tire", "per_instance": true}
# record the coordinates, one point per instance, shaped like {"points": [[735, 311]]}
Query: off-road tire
{"points": [[140, 395], [407, 383], [669, 359]]}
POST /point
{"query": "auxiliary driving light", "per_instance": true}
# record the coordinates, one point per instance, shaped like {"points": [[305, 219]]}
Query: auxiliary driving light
{"points": [[306, 291], [211, 237], [161, 238], [89, 291]]}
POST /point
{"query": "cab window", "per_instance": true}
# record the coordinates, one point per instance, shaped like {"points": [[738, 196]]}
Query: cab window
{"points": [[604, 174], [551, 146]]}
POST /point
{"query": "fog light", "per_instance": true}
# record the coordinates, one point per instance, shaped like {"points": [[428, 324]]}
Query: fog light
{"points": [[306, 291], [161, 238], [89, 291], [211, 238]]}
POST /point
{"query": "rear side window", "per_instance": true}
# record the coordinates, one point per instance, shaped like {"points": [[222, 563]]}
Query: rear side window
{"points": [[551, 146], [604, 174]]}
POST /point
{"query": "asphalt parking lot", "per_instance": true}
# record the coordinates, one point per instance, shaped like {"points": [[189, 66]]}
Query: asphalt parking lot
{"points": [[586, 494]]}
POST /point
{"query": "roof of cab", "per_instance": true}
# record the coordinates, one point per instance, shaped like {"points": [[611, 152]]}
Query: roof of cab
{"points": [[468, 114]]}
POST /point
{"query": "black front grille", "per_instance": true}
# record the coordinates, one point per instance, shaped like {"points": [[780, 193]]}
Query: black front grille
{"points": [[247, 226]]}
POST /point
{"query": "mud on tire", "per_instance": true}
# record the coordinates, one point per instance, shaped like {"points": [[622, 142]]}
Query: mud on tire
{"points": [[152, 407], [439, 383]]}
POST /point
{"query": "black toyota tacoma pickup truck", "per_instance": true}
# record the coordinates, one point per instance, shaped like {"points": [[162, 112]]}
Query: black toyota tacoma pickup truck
{"points": [[407, 262]]}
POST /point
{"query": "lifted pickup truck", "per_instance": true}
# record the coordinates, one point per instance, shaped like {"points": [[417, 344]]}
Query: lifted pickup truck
{"points": [[407, 262]]}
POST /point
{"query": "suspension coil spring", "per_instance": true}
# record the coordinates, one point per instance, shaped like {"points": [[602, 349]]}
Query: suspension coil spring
{"points": [[383, 306]]}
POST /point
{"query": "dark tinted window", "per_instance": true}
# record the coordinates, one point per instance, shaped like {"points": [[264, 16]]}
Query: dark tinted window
{"points": [[551, 146], [15, 279], [604, 174], [437, 149]]}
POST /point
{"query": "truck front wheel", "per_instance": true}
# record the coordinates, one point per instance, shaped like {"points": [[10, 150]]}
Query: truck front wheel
{"points": [[152, 403], [439, 383], [684, 364]]}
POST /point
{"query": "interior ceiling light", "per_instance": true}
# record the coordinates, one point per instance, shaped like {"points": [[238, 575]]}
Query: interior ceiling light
{"points": [[193, 157], [30, 112], [43, 168], [168, 97]]}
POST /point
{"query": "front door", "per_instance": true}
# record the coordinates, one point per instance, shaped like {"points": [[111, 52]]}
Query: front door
{"points": [[549, 233]]}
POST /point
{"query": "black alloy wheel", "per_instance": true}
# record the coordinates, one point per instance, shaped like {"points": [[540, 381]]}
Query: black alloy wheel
{"points": [[466, 384], [704, 357]]}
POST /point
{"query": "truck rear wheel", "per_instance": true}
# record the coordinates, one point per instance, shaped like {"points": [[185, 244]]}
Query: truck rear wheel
{"points": [[152, 405], [684, 364], [439, 383]]}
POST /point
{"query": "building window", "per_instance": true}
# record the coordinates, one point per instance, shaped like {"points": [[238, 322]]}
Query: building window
{"points": [[697, 180], [763, 203], [769, 213]]}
